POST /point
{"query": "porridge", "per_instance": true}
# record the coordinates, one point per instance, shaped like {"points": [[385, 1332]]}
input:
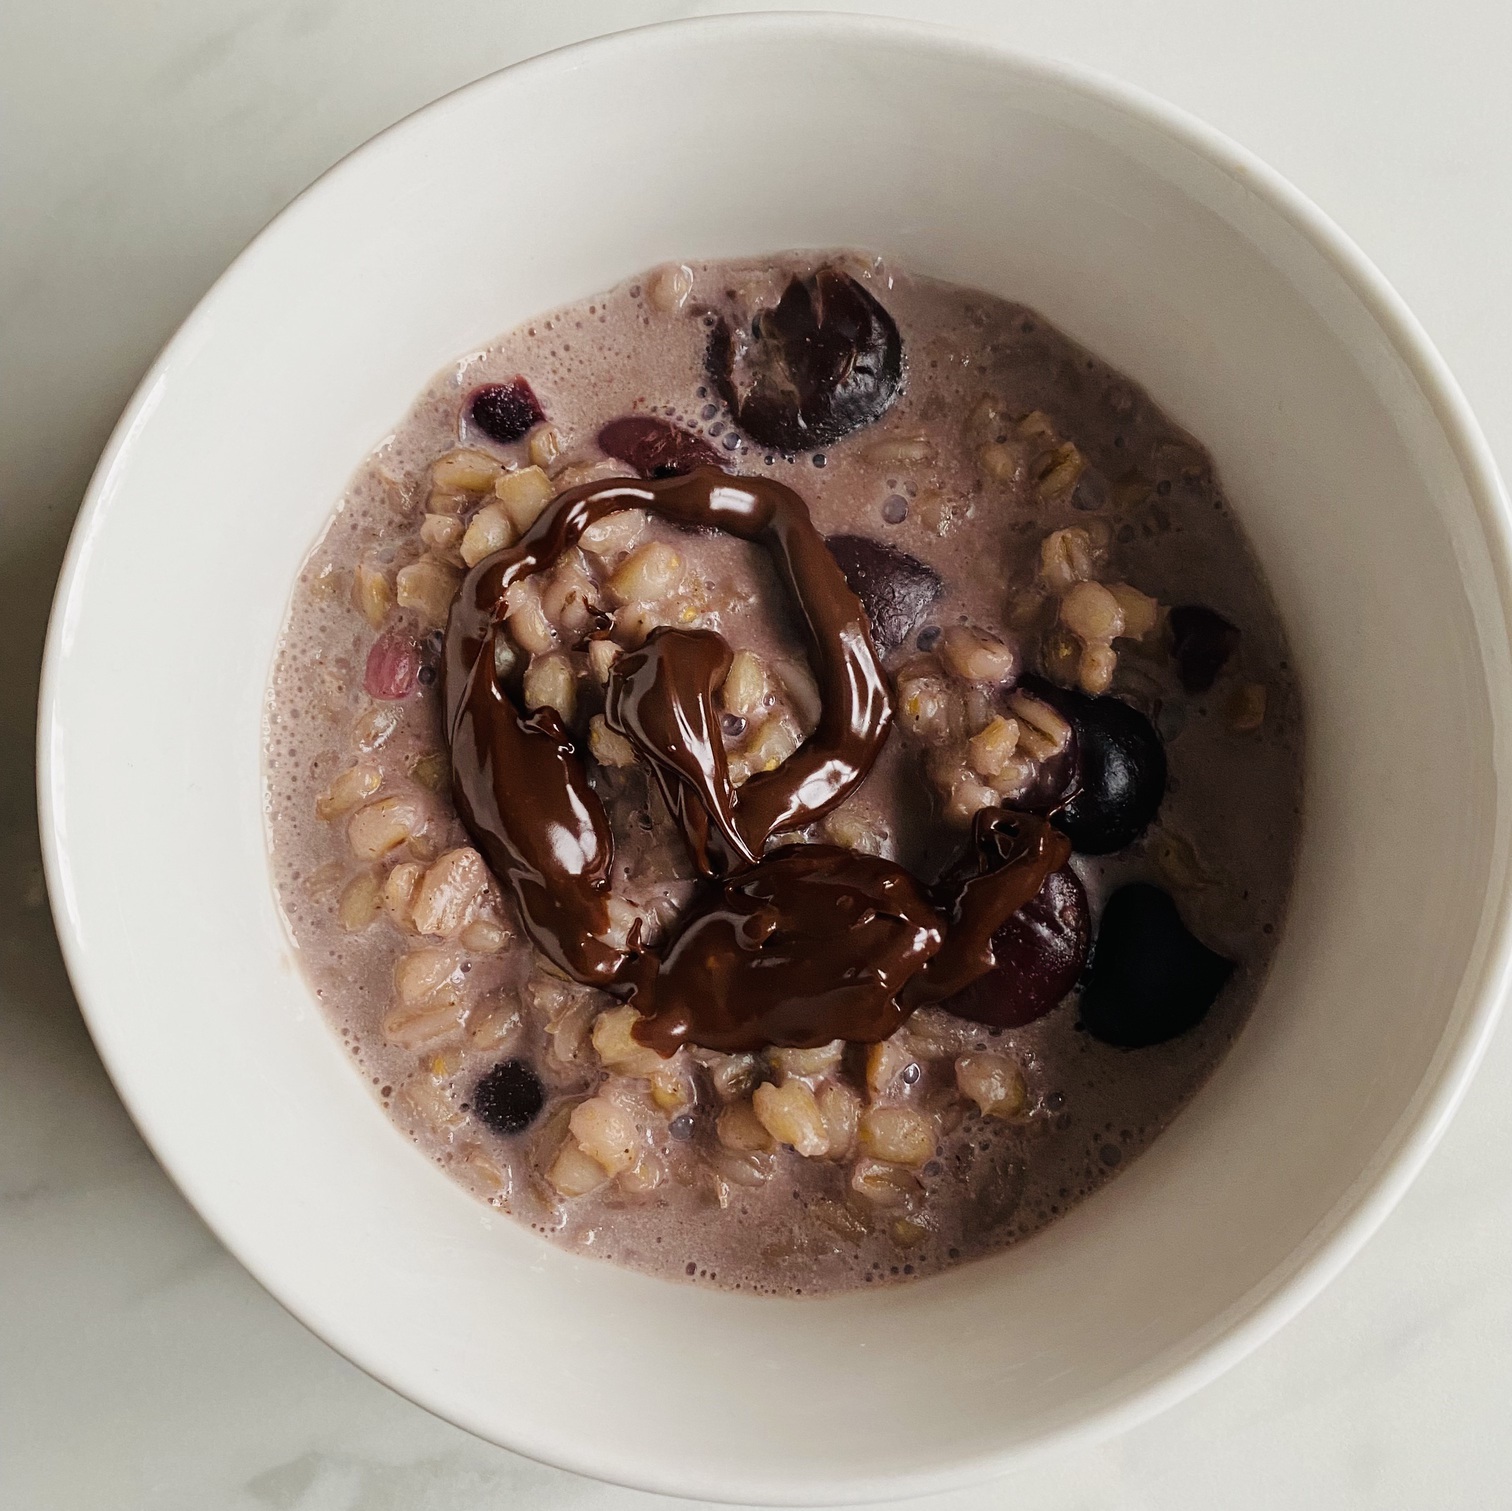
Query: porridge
{"points": [[784, 774]]}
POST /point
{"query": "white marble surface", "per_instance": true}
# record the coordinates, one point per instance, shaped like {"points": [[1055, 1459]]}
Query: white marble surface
{"points": [[143, 145]]}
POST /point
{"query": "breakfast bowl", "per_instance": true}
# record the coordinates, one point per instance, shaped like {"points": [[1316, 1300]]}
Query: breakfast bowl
{"points": [[1367, 495]]}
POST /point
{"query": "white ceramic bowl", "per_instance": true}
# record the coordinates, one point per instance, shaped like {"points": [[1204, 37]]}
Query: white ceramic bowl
{"points": [[1365, 487]]}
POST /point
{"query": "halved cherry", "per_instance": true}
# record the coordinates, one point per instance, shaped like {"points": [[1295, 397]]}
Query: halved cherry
{"points": [[654, 447], [1152, 978], [1040, 954], [822, 362], [896, 590], [1109, 784]]}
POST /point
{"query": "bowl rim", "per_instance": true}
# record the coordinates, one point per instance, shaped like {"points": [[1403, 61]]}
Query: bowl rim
{"points": [[1335, 1239]]}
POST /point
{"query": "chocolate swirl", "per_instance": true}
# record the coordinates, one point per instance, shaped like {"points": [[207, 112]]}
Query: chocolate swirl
{"points": [[816, 943], [813, 944], [807, 945], [522, 789], [523, 793], [661, 698], [1011, 854]]}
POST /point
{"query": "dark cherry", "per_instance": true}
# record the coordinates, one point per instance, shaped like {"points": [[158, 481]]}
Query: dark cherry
{"points": [[896, 590], [506, 412], [1151, 978], [1041, 952], [1110, 782], [1202, 641], [655, 448], [825, 360], [509, 1098]]}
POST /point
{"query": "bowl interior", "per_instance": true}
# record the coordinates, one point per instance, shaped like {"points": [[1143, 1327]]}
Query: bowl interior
{"points": [[726, 138]]}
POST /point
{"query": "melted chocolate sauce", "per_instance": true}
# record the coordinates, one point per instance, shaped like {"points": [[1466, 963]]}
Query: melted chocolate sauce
{"points": [[799, 948], [813, 944], [1010, 857], [661, 698], [523, 793]]}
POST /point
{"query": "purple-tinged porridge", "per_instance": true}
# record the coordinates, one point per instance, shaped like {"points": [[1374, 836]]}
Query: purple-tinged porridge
{"points": [[800, 1055]]}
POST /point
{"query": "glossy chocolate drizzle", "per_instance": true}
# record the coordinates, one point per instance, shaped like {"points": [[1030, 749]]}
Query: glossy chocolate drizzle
{"points": [[800, 947]]}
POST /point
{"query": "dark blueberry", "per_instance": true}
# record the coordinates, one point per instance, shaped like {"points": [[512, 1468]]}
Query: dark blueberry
{"points": [[894, 509], [1151, 979], [510, 1097], [895, 589], [506, 412], [929, 637], [1109, 784], [655, 448], [1040, 954], [731, 726], [1202, 642], [825, 360], [681, 1127]]}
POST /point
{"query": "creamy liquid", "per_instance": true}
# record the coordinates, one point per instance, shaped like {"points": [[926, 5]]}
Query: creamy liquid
{"points": [[1223, 844]]}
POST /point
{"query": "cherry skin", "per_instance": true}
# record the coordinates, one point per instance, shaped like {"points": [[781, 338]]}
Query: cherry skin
{"points": [[654, 447], [1040, 952], [824, 361], [1102, 792], [1152, 978], [896, 589]]}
